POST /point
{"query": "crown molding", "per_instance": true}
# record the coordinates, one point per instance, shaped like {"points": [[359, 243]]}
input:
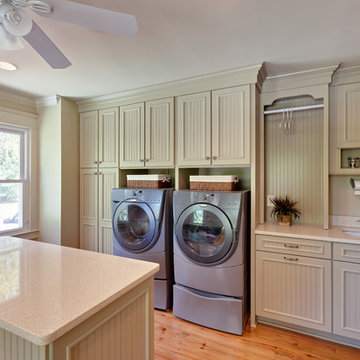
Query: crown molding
{"points": [[250, 75], [301, 79], [17, 98], [346, 75], [47, 101]]}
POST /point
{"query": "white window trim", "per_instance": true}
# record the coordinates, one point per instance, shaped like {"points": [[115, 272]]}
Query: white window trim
{"points": [[21, 120]]}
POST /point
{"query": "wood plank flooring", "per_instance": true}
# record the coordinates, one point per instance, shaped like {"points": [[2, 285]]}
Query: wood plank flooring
{"points": [[176, 339]]}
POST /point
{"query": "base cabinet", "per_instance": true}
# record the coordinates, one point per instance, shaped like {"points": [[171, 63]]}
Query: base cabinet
{"points": [[294, 289], [95, 209], [346, 312]]}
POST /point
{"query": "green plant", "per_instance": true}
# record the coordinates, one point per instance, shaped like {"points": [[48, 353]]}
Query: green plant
{"points": [[284, 206]]}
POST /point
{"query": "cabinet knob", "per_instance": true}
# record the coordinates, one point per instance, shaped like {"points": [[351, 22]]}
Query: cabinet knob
{"points": [[95, 173], [214, 157], [141, 160], [146, 160], [95, 162], [100, 162], [207, 157]]}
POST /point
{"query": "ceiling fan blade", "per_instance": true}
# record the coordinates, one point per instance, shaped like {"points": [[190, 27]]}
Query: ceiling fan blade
{"points": [[46, 48], [92, 17]]}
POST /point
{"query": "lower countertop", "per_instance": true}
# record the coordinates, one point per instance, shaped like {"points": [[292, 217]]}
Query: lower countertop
{"points": [[46, 290], [305, 231]]}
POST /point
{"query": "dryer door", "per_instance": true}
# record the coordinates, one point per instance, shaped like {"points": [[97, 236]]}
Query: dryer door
{"points": [[204, 233], [134, 225]]}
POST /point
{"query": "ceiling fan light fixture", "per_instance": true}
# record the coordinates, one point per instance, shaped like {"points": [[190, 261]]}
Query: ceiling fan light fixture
{"points": [[8, 41], [4, 65], [16, 21]]}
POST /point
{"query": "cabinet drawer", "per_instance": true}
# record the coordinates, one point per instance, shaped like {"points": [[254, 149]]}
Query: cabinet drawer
{"points": [[347, 252], [294, 246]]}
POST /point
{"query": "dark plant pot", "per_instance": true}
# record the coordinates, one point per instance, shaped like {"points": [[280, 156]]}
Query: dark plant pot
{"points": [[284, 220]]}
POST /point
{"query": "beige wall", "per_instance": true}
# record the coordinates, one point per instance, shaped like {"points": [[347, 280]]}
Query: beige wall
{"points": [[343, 202], [70, 195], [59, 174], [50, 174]]}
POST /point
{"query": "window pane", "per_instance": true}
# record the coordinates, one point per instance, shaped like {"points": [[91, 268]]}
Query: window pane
{"points": [[9, 155], [10, 206]]}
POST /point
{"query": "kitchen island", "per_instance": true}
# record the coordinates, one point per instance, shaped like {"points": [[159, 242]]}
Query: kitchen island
{"points": [[63, 303]]}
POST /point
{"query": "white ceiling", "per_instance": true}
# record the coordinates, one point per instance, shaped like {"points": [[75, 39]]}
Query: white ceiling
{"points": [[182, 38]]}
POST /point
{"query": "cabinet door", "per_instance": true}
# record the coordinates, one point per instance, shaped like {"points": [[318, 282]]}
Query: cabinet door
{"points": [[346, 299], [89, 139], [108, 179], [109, 138], [132, 135], [159, 132], [231, 126], [193, 129], [294, 289], [347, 105], [88, 209]]}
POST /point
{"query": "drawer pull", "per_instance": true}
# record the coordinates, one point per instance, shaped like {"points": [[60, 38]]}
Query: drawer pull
{"points": [[290, 259], [289, 246]]}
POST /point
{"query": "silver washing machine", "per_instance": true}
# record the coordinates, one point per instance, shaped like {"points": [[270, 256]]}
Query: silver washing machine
{"points": [[211, 258], [142, 229]]}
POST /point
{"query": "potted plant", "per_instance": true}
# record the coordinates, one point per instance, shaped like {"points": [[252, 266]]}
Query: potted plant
{"points": [[284, 210]]}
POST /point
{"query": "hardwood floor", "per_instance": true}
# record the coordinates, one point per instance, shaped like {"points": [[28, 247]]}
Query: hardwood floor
{"points": [[176, 339]]}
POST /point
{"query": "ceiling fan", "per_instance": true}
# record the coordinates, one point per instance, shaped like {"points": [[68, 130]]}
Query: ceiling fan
{"points": [[15, 23]]}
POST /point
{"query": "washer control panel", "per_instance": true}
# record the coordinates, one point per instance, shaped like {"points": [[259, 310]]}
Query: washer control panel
{"points": [[217, 198]]}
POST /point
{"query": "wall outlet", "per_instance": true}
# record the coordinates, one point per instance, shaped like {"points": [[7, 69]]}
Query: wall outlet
{"points": [[268, 200]]}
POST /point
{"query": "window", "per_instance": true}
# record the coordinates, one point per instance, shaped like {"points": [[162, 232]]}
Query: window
{"points": [[13, 178]]}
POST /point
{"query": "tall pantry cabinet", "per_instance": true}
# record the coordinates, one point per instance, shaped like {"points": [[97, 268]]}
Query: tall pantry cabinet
{"points": [[99, 174]]}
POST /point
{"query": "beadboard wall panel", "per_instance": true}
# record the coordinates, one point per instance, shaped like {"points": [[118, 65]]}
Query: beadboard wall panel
{"points": [[294, 162], [13, 347]]}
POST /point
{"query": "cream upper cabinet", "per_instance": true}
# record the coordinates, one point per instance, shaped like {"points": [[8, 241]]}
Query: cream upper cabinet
{"points": [[132, 135], [147, 140], [88, 209], [213, 128], [99, 138], [194, 129], [347, 111], [89, 139], [159, 132], [231, 126], [109, 138]]}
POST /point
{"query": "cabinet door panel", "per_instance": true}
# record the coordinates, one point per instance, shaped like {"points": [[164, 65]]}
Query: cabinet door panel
{"points": [[231, 126], [88, 209], [132, 135], [347, 101], [159, 130], [294, 289], [346, 299], [108, 179], [109, 138], [89, 139], [193, 129]]}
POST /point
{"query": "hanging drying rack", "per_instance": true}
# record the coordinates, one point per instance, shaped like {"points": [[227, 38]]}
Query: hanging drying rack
{"points": [[291, 109], [286, 123]]}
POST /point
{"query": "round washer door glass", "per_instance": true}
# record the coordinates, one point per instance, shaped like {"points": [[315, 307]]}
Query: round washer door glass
{"points": [[134, 225], [204, 233]]}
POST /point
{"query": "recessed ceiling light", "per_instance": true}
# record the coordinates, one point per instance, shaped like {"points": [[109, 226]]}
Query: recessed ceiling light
{"points": [[4, 65]]}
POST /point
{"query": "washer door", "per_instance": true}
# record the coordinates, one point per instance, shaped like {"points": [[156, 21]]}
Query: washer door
{"points": [[134, 226], [204, 233]]}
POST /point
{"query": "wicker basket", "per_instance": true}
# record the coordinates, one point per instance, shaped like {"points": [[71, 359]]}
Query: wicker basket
{"points": [[148, 181], [213, 183]]}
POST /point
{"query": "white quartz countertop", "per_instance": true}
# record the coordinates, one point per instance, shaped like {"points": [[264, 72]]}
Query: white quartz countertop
{"points": [[46, 290], [302, 231]]}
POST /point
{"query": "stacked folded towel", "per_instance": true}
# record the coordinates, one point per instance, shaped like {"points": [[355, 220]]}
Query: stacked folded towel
{"points": [[356, 185]]}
